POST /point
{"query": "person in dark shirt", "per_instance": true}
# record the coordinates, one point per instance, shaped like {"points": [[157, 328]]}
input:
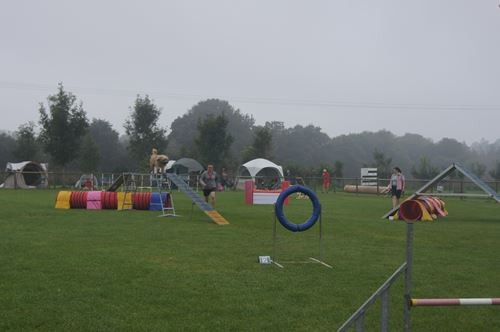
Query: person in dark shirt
{"points": [[208, 181], [396, 185]]}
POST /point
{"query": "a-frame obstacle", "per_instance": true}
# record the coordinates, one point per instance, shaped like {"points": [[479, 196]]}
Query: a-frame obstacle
{"points": [[489, 192], [196, 199]]}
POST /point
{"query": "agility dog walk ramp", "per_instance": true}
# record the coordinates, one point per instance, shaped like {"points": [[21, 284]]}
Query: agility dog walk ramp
{"points": [[196, 199], [489, 192], [119, 181]]}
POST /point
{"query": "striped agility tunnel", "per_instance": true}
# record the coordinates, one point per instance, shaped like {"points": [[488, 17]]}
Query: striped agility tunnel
{"points": [[454, 302], [101, 200], [422, 208]]}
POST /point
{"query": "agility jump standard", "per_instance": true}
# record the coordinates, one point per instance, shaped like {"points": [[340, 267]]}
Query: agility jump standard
{"points": [[406, 268]]}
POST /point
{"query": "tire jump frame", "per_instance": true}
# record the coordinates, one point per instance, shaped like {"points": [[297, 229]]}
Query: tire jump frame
{"points": [[293, 227]]}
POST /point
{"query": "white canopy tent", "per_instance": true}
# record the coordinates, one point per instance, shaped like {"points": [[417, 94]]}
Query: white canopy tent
{"points": [[26, 174], [267, 171]]}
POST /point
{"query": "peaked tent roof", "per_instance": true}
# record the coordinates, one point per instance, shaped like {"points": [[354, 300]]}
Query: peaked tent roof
{"points": [[256, 165], [169, 165], [455, 166], [193, 166], [26, 174], [25, 166]]}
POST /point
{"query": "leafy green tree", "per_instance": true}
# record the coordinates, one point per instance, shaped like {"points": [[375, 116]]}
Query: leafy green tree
{"points": [[143, 130], [6, 144], [184, 129], [275, 126], [424, 170], [112, 153], [355, 150], [27, 146], [62, 126], [478, 169], [450, 148], [89, 155], [261, 146], [213, 142], [495, 172], [304, 146], [382, 164], [338, 169]]}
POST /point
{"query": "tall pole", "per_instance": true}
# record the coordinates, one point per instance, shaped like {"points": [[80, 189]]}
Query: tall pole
{"points": [[320, 237], [409, 268], [274, 239]]}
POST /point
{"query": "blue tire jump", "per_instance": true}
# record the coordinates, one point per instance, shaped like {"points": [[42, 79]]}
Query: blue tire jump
{"points": [[278, 208]]}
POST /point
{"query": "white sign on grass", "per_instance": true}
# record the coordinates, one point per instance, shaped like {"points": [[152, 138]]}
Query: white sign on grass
{"points": [[265, 260]]}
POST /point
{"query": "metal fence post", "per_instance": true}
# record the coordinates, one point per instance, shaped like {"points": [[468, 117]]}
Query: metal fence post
{"points": [[409, 268], [384, 319], [360, 323]]}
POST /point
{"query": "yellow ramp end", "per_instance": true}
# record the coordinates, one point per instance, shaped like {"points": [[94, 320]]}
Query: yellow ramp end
{"points": [[217, 218]]}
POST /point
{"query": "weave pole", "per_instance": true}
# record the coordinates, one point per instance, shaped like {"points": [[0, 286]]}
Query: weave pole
{"points": [[453, 302]]}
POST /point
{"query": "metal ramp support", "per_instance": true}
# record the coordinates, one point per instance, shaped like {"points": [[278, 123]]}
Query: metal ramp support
{"points": [[160, 183], [478, 182], [197, 200]]}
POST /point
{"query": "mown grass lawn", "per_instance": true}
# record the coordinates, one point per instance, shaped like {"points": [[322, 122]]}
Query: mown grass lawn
{"points": [[78, 270]]}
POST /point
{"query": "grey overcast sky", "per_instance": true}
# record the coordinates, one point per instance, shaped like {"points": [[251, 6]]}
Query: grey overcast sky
{"points": [[430, 67]]}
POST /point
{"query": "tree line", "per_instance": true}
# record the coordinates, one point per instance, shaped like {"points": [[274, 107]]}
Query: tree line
{"points": [[213, 131]]}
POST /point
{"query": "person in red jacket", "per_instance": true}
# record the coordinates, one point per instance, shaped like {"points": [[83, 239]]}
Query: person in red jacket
{"points": [[325, 176]]}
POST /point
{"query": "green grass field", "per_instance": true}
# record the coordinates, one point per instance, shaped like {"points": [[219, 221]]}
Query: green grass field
{"points": [[78, 270]]}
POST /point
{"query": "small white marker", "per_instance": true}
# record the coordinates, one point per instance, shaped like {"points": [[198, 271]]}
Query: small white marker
{"points": [[265, 260]]}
